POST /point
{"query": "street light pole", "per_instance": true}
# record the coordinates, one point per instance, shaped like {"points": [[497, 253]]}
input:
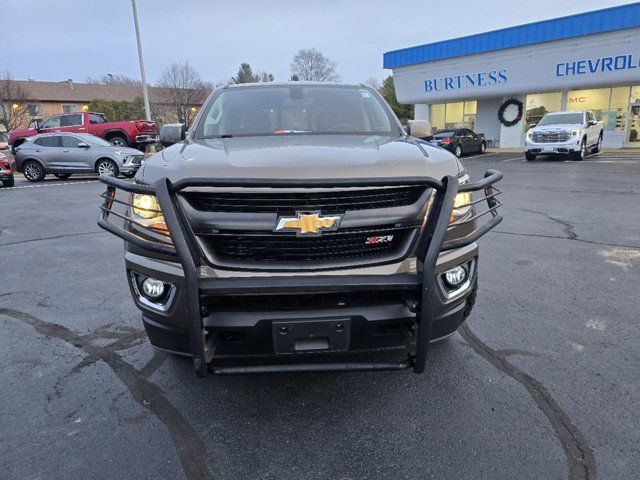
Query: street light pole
{"points": [[145, 94]]}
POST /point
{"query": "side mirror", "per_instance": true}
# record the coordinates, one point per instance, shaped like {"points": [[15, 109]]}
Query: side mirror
{"points": [[419, 128], [591, 123], [172, 133], [84, 145], [531, 125]]}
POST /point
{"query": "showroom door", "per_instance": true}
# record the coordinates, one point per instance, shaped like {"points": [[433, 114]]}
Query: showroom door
{"points": [[633, 125]]}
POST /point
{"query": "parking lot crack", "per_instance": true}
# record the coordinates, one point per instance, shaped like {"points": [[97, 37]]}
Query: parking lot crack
{"points": [[190, 448], [540, 235], [54, 237], [569, 229], [581, 461]]}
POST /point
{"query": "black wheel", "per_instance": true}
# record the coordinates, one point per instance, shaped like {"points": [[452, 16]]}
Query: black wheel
{"points": [[119, 141], [107, 167], [9, 182], [33, 171], [529, 156], [598, 145], [62, 176], [128, 174], [457, 151], [483, 147], [580, 154]]}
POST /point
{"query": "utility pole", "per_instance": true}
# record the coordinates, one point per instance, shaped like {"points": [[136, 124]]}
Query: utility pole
{"points": [[145, 94]]}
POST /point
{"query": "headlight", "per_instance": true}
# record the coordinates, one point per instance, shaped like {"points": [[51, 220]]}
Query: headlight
{"points": [[461, 206], [128, 159], [146, 208], [575, 133], [529, 135]]}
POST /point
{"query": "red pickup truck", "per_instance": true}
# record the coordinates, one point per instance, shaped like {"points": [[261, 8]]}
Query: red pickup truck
{"points": [[132, 133]]}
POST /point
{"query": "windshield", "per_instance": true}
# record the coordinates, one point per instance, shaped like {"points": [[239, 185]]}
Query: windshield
{"points": [[93, 140], [294, 109], [444, 134], [562, 119]]}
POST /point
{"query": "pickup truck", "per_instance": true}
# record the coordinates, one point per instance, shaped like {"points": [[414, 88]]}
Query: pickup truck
{"points": [[296, 224], [565, 133], [132, 133]]}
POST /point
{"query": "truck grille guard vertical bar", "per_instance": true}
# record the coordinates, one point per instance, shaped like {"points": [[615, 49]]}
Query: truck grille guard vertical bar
{"points": [[183, 245]]}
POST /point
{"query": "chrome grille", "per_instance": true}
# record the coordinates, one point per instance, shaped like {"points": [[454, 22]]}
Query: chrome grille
{"points": [[553, 136]]}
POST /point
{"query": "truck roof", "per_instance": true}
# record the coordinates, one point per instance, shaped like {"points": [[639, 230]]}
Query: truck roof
{"points": [[288, 84]]}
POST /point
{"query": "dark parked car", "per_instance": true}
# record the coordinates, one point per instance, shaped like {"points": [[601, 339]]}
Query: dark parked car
{"points": [[63, 154], [459, 141], [6, 172]]}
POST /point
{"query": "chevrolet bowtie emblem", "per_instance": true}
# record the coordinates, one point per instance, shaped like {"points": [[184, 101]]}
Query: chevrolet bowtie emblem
{"points": [[311, 223]]}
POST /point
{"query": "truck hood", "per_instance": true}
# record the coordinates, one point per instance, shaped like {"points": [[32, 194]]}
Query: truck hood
{"points": [[21, 133], [300, 157], [560, 126]]}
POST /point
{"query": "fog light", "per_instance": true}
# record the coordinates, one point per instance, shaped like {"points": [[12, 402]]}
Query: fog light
{"points": [[456, 276], [152, 288]]}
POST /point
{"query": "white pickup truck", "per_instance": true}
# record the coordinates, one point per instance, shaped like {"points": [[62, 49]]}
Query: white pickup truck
{"points": [[568, 133]]}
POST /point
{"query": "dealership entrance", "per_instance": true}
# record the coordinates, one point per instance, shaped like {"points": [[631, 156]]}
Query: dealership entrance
{"points": [[589, 61]]}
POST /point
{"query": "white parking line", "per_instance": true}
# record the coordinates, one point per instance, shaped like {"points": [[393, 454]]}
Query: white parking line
{"points": [[48, 185], [480, 155], [512, 159]]}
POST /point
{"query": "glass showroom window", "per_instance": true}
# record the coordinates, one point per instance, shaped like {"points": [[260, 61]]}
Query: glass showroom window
{"points": [[436, 116], [596, 99], [635, 94], [539, 104], [616, 116], [453, 115]]}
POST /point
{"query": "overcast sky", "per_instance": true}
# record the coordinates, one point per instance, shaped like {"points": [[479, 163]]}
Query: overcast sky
{"points": [[56, 40]]}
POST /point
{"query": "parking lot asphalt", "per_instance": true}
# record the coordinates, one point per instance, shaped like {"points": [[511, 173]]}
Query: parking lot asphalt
{"points": [[542, 382]]}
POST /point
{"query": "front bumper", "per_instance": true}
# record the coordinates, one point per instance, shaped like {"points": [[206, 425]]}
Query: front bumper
{"points": [[237, 316], [147, 139], [572, 146]]}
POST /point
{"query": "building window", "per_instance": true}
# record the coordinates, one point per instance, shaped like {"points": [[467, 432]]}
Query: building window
{"points": [[609, 104], [69, 108], [539, 104], [35, 110], [635, 94], [453, 115]]}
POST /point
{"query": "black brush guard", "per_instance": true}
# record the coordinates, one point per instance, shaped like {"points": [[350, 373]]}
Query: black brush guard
{"points": [[183, 244]]}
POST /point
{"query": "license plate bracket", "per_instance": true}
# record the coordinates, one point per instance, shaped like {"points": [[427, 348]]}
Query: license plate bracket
{"points": [[308, 336]]}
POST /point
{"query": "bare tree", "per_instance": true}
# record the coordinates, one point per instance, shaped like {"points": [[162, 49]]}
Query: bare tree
{"points": [[373, 82], [111, 79], [14, 111], [246, 75], [185, 89], [311, 65]]}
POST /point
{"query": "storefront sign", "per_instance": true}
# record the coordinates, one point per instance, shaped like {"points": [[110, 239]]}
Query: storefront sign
{"points": [[480, 79], [578, 63], [597, 65]]}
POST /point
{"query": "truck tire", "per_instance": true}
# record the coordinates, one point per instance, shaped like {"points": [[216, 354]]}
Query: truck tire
{"points": [[105, 166], [9, 183], [119, 141], [580, 154], [596, 148], [33, 171], [529, 156]]}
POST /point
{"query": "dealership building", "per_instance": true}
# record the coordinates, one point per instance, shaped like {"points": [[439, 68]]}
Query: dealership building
{"points": [[589, 61]]}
